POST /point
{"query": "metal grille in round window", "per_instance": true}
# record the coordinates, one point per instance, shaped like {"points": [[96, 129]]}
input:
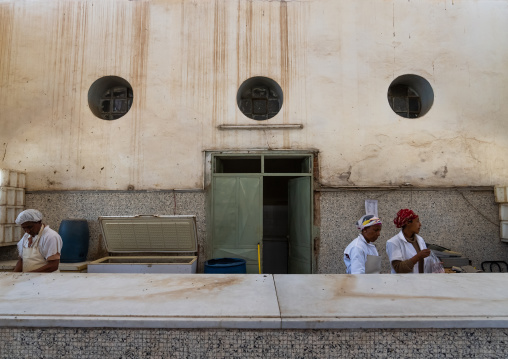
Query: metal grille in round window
{"points": [[259, 98], [404, 101], [410, 96], [116, 102], [110, 97]]}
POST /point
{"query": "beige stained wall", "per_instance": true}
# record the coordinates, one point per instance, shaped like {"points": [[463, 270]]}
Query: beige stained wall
{"points": [[185, 60]]}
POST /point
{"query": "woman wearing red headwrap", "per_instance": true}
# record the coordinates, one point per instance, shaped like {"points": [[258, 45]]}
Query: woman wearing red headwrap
{"points": [[407, 248]]}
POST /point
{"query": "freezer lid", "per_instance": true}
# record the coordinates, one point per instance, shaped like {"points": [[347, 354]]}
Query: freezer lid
{"points": [[151, 233]]}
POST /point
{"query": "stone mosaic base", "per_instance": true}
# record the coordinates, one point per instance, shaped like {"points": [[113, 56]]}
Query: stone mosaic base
{"points": [[220, 343]]}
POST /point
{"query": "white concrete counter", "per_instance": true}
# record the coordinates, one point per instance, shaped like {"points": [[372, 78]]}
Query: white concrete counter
{"points": [[393, 301], [254, 301], [138, 300]]}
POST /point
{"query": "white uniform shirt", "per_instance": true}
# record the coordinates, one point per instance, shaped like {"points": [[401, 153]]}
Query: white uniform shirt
{"points": [[358, 250], [399, 249], [50, 243]]}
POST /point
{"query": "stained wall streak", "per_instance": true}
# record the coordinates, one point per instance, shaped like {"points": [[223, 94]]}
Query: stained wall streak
{"points": [[285, 61], [244, 44], [88, 45], [140, 15], [196, 58], [294, 24], [63, 89], [118, 46], [6, 29], [258, 45], [220, 72]]}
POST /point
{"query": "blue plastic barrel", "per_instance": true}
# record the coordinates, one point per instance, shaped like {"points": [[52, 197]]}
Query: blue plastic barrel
{"points": [[75, 236], [226, 266]]}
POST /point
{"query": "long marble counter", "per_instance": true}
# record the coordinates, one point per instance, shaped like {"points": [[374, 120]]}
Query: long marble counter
{"points": [[253, 301], [476, 300]]}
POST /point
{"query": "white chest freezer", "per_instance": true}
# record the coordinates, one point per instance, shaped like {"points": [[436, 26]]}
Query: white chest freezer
{"points": [[148, 234]]}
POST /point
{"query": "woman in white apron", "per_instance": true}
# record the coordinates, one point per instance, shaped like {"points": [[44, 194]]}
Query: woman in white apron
{"points": [[39, 249], [361, 256], [407, 250]]}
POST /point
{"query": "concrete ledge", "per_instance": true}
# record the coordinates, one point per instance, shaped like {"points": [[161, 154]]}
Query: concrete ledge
{"points": [[138, 300], [393, 301], [138, 322], [331, 301], [395, 323]]}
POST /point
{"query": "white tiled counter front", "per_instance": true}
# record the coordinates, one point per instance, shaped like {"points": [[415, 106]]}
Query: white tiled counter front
{"points": [[253, 301]]}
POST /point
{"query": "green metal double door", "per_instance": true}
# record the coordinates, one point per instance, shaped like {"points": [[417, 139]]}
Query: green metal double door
{"points": [[237, 220]]}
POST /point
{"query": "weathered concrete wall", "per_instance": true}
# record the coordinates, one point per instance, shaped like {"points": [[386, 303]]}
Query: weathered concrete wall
{"points": [[185, 60]]}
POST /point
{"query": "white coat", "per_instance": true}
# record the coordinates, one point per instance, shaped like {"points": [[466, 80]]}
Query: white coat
{"points": [[356, 254], [44, 245], [399, 249]]}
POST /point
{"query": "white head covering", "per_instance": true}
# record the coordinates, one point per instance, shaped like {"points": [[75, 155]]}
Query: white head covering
{"points": [[367, 221], [29, 215]]}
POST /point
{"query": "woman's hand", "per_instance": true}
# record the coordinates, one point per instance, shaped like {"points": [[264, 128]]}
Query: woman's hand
{"points": [[420, 255], [424, 253]]}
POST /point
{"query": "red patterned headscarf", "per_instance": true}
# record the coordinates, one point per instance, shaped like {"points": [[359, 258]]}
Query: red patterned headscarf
{"points": [[403, 217]]}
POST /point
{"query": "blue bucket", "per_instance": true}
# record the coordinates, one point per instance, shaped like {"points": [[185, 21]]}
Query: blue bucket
{"points": [[226, 266], [75, 236]]}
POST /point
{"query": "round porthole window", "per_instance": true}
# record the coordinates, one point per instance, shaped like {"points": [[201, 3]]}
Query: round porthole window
{"points": [[259, 98], [110, 97], [410, 96]]}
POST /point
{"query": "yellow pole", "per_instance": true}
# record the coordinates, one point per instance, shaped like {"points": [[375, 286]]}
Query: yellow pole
{"points": [[259, 259]]}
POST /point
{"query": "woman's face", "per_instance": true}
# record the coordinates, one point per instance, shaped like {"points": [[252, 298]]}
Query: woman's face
{"points": [[32, 228], [414, 226], [372, 233]]}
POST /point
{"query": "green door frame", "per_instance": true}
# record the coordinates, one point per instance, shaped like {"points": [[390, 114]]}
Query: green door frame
{"points": [[211, 164]]}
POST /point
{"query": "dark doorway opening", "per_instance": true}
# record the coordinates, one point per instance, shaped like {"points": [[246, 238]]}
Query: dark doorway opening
{"points": [[275, 225]]}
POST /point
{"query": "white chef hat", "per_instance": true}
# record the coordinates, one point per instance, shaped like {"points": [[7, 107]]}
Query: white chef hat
{"points": [[29, 215]]}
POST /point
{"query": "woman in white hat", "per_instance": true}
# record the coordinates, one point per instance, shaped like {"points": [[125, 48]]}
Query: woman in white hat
{"points": [[361, 256], [39, 249]]}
